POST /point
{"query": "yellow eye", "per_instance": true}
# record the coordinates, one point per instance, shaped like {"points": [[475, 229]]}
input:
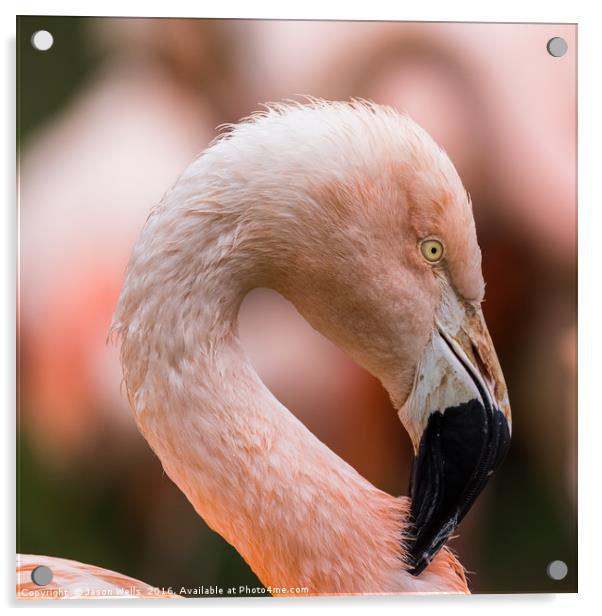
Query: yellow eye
{"points": [[432, 250]]}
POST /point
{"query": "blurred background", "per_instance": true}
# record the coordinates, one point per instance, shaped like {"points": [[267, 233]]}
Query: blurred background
{"points": [[108, 118]]}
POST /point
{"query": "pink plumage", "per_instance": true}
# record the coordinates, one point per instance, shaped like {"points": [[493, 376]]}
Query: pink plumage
{"points": [[331, 205]]}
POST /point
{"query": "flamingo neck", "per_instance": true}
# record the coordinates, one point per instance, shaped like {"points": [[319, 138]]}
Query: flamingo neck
{"points": [[298, 514]]}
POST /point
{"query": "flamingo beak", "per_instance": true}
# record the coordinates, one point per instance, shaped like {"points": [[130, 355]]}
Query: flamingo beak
{"points": [[463, 435]]}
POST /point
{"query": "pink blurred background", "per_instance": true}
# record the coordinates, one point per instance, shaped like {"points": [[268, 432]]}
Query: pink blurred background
{"points": [[116, 110]]}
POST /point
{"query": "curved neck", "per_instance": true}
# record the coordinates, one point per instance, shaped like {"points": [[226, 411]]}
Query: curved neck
{"points": [[297, 513]]}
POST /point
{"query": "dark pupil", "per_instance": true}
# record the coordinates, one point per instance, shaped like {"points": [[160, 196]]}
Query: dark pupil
{"points": [[433, 250]]}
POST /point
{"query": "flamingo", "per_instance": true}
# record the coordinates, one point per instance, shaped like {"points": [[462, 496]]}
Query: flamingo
{"points": [[352, 212]]}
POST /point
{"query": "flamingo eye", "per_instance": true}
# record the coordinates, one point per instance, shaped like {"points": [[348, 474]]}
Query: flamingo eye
{"points": [[432, 250]]}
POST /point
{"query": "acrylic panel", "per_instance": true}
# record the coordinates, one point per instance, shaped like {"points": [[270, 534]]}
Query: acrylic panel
{"points": [[255, 352]]}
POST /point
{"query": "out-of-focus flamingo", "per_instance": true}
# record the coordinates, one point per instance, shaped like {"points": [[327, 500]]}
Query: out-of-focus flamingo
{"points": [[353, 213], [69, 280], [72, 580]]}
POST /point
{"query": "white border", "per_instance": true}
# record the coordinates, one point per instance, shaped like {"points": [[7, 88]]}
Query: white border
{"points": [[590, 206]]}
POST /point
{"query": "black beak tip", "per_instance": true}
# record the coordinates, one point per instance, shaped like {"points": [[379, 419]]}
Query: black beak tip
{"points": [[420, 564], [459, 450]]}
